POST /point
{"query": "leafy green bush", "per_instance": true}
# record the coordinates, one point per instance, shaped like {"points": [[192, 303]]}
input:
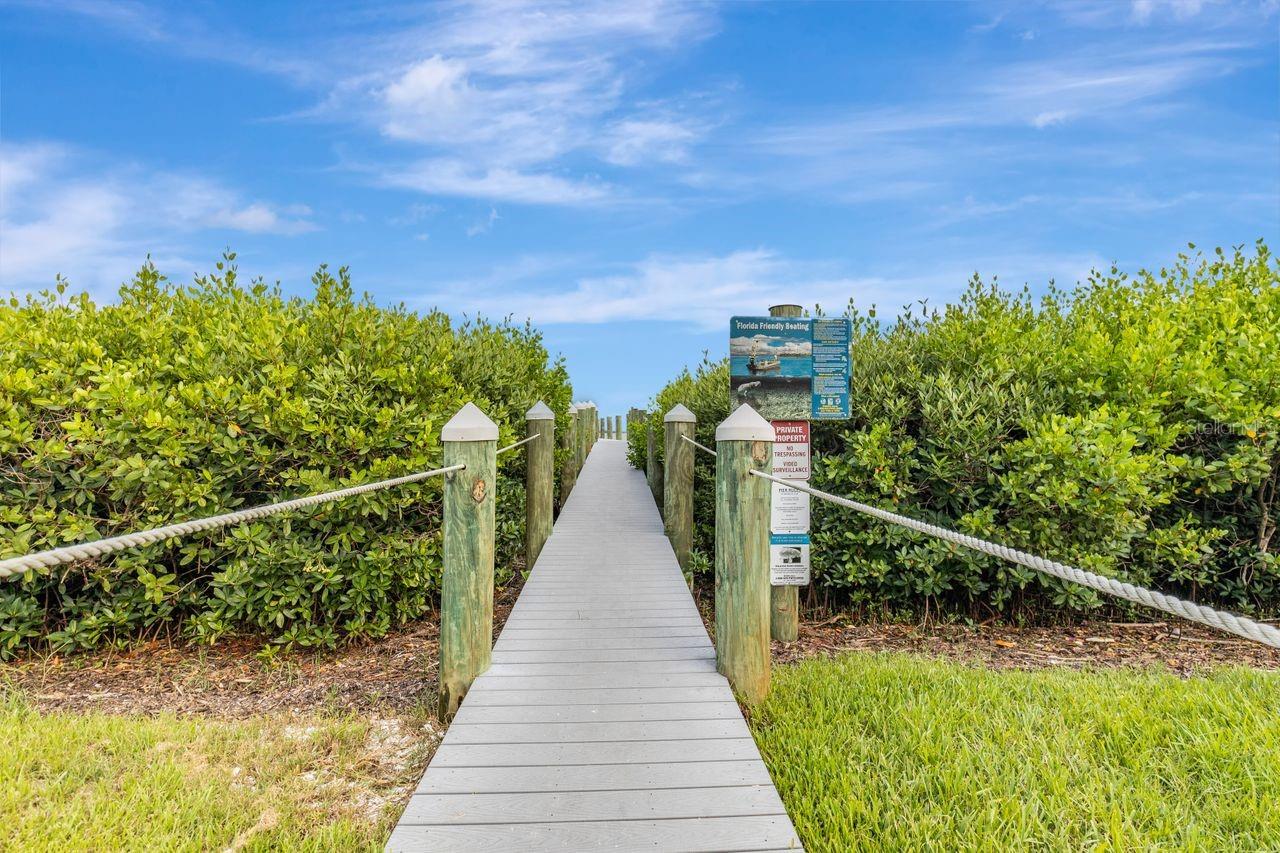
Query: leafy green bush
{"points": [[1130, 426], [181, 402]]}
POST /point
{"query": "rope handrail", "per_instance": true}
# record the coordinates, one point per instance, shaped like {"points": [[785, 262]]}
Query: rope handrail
{"points": [[1220, 619], [85, 550], [503, 450], [697, 445]]}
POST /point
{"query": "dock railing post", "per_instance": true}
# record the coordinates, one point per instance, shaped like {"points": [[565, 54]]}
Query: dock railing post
{"points": [[584, 436], [677, 492], [539, 479], [466, 593], [652, 467], [744, 442], [568, 473]]}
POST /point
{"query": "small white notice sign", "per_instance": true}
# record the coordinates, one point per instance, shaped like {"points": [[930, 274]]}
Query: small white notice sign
{"points": [[789, 510], [789, 559]]}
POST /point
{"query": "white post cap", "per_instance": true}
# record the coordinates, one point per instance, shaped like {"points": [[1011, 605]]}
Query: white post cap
{"points": [[745, 424], [469, 424], [540, 412], [680, 415], [573, 409]]}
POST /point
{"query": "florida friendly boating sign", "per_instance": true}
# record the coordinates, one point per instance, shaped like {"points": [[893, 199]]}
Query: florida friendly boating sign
{"points": [[790, 368]]}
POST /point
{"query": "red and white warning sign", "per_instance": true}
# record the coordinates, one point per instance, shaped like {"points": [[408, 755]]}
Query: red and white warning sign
{"points": [[791, 450]]}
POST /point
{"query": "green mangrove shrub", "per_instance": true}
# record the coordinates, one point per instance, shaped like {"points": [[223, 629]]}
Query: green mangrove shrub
{"points": [[1130, 426], [178, 402]]}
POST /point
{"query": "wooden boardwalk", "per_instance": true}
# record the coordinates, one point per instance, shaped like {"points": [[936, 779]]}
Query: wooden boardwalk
{"points": [[602, 723]]}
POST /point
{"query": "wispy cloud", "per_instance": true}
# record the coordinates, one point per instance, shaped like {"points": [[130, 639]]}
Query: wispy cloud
{"points": [[702, 290], [506, 100], [65, 211], [484, 226], [174, 29], [458, 177]]}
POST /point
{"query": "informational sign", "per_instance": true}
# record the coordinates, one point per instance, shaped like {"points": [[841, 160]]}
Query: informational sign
{"points": [[789, 559], [790, 368], [831, 337], [788, 508]]}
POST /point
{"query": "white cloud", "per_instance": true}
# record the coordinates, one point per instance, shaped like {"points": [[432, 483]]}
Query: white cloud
{"points": [[635, 141], [1049, 118], [504, 99], [705, 290], [485, 225], [455, 177], [1144, 10], [62, 211]]}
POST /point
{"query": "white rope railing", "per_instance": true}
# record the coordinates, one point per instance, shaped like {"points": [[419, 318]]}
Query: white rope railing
{"points": [[1222, 620], [71, 553], [697, 445], [503, 450]]}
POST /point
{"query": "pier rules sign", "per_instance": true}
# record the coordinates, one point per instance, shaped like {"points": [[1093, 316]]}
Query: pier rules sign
{"points": [[789, 509]]}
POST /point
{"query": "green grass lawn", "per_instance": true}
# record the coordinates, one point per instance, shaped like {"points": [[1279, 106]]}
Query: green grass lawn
{"points": [[98, 782], [891, 751]]}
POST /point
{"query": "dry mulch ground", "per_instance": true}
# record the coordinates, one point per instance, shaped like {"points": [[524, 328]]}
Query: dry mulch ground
{"points": [[396, 675], [1180, 647]]}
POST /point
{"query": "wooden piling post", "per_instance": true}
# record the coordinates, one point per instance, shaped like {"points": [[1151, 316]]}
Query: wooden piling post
{"points": [[568, 472], [584, 434], [617, 428], [744, 442], [677, 476], [604, 428], [784, 601], [652, 467], [539, 479], [466, 593]]}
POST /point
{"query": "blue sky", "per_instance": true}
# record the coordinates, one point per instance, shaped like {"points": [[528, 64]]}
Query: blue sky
{"points": [[630, 175]]}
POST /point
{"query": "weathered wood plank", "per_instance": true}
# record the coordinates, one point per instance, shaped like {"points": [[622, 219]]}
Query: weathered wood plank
{"points": [[577, 732], [594, 777], [692, 835], [601, 696], [691, 639], [587, 632], [591, 655], [555, 806], [611, 752], [676, 667], [634, 712]]}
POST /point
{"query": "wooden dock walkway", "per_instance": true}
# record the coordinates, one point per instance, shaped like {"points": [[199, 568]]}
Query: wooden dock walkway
{"points": [[602, 723]]}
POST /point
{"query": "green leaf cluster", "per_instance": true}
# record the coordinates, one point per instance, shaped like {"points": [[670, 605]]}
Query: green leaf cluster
{"points": [[1130, 426], [178, 402]]}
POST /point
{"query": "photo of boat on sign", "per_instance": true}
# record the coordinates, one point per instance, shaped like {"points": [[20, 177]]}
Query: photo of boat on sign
{"points": [[771, 366]]}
